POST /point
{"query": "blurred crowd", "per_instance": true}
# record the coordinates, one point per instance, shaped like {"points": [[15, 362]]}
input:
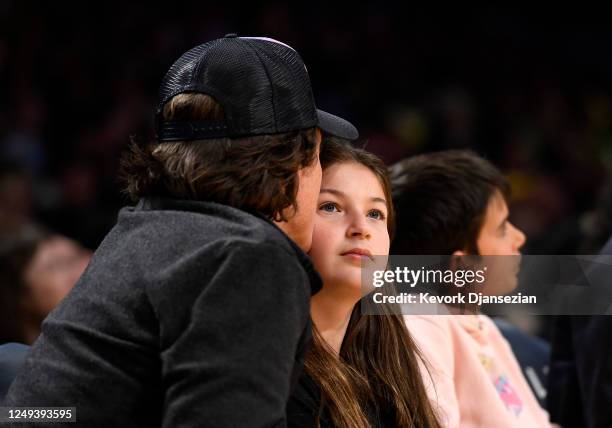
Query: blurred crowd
{"points": [[78, 80]]}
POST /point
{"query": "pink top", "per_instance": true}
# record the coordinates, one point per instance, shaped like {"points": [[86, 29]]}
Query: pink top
{"points": [[477, 382]]}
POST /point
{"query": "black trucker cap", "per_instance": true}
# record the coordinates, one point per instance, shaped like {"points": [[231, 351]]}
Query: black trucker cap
{"points": [[261, 83]]}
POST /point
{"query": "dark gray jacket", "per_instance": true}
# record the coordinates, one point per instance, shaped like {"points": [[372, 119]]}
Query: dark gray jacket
{"points": [[189, 314]]}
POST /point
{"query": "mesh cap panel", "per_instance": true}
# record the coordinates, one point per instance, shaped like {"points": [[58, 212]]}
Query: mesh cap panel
{"points": [[262, 85]]}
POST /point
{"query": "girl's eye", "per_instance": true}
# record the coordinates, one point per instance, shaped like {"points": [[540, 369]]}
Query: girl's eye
{"points": [[329, 207], [376, 215]]}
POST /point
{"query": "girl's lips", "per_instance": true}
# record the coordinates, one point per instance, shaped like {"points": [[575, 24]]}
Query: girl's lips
{"points": [[356, 257], [358, 253]]}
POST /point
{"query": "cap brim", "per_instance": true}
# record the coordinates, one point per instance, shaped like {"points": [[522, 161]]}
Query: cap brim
{"points": [[336, 126]]}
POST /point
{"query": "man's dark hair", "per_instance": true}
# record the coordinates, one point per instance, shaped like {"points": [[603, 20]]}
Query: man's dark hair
{"points": [[441, 199], [255, 173]]}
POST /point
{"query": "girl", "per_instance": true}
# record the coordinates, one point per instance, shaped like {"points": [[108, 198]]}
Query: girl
{"points": [[362, 371]]}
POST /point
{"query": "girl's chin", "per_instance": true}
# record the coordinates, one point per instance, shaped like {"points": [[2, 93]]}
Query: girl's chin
{"points": [[346, 288]]}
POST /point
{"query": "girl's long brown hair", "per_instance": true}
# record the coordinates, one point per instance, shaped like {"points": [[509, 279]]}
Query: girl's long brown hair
{"points": [[378, 365]]}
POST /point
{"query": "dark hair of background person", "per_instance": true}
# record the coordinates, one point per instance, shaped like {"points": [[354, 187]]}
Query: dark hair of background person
{"points": [[16, 253], [378, 363], [442, 198], [255, 173]]}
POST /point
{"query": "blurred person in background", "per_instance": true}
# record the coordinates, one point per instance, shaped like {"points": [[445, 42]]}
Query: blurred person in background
{"points": [[580, 381], [37, 270]]}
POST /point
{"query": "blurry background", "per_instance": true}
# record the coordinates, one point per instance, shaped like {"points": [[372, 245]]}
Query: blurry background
{"points": [[532, 94]]}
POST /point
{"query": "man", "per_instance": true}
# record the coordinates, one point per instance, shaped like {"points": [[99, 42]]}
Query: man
{"points": [[194, 310]]}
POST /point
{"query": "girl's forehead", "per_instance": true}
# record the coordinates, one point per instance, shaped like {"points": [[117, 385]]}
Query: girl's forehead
{"points": [[349, 169], [353, 179]]}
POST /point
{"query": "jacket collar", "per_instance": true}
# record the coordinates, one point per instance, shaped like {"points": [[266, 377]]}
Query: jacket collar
{"points": [[157, 203]]}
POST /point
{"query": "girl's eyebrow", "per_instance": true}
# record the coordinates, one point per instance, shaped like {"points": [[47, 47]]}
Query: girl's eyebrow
{"points": [[341, 194], [333, 192]]}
